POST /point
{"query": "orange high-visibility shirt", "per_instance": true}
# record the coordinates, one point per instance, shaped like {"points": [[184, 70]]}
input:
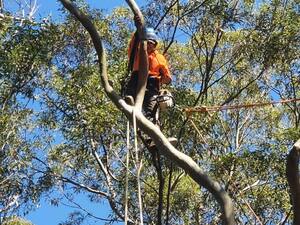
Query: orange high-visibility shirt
{"points": [[158, 65]]}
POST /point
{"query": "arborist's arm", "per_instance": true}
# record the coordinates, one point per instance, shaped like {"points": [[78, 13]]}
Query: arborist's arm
{"points": [[143, 56], [131, 43], [164, 71], [132, 51], [134, 42]]}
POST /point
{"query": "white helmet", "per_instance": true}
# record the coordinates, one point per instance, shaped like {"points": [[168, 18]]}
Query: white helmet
{"points": [[151, 35]]}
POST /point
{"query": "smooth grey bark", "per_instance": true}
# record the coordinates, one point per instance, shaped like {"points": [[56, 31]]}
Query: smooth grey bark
{"points": [[292, 173], [162, 143]]}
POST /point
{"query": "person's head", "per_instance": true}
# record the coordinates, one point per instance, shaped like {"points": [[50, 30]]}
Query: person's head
{"points": [[152, 39], [151, 45]]}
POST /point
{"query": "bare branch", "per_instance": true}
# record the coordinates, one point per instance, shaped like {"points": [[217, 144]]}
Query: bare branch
{"points": [[112, 198], [78, 206], [1, 6], [165, 14], [89, 189], [13, 200]]}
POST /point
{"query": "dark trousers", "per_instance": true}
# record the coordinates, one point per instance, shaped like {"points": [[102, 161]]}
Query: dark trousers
{"points": [[152, 89]]}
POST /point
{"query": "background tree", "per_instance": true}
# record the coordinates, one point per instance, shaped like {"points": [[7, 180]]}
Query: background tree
{"points": [[25, 53], [16, 221]]}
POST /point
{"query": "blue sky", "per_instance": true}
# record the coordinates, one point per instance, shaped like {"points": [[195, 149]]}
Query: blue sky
{"points": [[46, 214], [50, 7]]}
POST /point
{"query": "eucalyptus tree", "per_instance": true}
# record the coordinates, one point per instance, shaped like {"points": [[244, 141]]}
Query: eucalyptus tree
{"points": [[226, 58], [220, 53], [213, 72], [24, 55]]}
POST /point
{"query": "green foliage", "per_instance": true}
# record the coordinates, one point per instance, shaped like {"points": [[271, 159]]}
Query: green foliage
{"points": [[24, 55], [16, 221], [22, 59], [59, 131]]}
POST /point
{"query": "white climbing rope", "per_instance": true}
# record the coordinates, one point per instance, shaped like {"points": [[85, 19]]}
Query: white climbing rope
{"points": [[138, 165], [127, 172], [138, 168]]}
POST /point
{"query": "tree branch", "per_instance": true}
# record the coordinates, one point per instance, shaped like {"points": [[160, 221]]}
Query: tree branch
{"points": [[292, 174], [143, 55]]}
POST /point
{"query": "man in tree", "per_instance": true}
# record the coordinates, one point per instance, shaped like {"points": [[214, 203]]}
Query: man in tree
{"points": [[158, 71]]}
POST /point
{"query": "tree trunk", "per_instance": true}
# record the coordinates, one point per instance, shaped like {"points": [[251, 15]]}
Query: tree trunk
{"points": [[292, 173]]}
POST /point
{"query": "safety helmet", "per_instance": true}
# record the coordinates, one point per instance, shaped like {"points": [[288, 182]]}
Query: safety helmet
{"points": [[151, 35]]}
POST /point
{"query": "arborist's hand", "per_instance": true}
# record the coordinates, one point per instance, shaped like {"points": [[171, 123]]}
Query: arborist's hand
{"points": [[161, 73], [163, 78], [138, 24]]}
